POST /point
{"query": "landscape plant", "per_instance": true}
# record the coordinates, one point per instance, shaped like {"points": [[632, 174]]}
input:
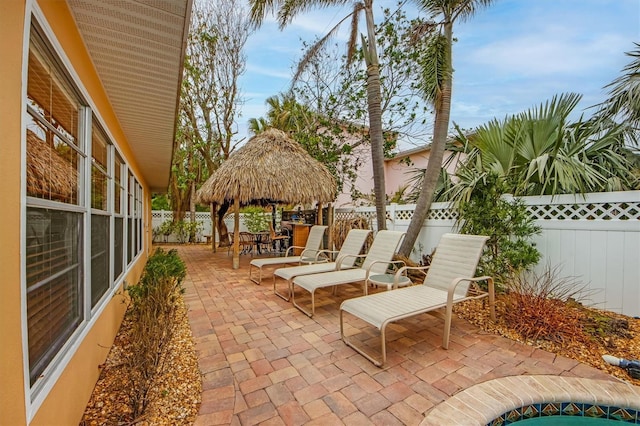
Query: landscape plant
{"points": [[152, 314], [255, 219], [165, 229], [508, 226]]}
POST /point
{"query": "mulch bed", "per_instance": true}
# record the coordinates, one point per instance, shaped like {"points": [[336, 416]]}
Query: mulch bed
{"points": [[175, 397], [587, 344]]}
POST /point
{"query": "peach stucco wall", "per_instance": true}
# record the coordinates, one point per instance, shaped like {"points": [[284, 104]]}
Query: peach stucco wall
{"points": [[12, 392], [398, 172], [65, 402]]}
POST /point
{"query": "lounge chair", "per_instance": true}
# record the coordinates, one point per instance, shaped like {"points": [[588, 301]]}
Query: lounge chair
{"points": [[375, 262], [308, 254], [448, 281], [351, 247]]}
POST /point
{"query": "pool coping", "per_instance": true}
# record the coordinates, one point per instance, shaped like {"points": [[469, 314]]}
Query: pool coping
{"points": [[484, 402]]}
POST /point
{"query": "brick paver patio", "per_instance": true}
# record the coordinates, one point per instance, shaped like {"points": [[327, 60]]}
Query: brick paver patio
{"points": [[264, 362]]}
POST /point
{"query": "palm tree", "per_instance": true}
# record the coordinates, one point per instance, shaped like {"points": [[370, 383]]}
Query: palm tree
{"points": [[437, 86], [540, 152], [284, 113], [623, 103], [286, 11]]}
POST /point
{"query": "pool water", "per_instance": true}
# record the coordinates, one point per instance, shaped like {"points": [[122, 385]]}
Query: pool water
{"points": [[567, 421]]}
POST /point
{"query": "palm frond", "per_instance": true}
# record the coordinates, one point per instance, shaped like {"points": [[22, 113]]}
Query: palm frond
{"points": [[315, 48], [291, 8], [353, 34], [435, 67], [259, 9], [624, 93]]}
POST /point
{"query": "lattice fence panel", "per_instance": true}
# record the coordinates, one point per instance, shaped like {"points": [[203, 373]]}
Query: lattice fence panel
{"points": [[586, 211]]}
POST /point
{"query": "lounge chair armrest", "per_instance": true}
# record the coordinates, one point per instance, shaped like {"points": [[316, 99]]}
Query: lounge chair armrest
{"points": [[342, 258], [385, 262], [473, 280], [404, 269], [290, 249], [326, 253]]}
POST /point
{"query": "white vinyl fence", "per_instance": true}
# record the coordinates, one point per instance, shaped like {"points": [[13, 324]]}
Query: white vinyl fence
{"points": [[203, 218], [594, 238]]}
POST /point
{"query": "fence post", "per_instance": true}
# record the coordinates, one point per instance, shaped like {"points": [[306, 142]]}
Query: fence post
{"points": [[391, 209]]}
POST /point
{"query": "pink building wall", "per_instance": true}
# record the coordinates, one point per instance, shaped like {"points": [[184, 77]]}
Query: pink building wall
{"points": [[398, 172]]}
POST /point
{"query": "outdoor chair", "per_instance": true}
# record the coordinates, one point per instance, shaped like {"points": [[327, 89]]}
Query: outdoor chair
{"points": [[351, 247], [308, 254], [376, 261], [246, 241], [277, 238], [449, 279]]}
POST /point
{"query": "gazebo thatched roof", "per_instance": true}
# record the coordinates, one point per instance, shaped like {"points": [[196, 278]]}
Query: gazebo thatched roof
{"points": [[270, 166]]}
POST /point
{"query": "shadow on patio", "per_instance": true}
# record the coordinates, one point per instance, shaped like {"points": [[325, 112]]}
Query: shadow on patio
{"points": [[263, 361]]}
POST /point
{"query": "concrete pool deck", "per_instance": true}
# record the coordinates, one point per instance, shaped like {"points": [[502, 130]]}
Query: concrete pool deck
{"points": [[264, 362]]}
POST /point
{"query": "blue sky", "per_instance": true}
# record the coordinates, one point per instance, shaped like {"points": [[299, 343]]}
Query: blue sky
{"points": [[508, 58]]}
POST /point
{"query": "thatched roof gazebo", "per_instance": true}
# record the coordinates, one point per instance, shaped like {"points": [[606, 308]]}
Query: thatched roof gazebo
{"points": [[270, 167]]}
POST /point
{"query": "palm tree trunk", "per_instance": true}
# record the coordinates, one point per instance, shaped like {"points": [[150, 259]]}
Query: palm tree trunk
{"points": [[375, 118], [440, 132]]}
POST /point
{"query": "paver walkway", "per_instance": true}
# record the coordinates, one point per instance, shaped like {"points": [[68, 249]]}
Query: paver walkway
{"points": [[264, 362]]}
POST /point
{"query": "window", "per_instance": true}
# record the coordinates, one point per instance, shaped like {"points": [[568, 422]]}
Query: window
{"points": [[83, 211], [100, 236], [130, 229], [118, 243], [54, 232], [54, 293]]}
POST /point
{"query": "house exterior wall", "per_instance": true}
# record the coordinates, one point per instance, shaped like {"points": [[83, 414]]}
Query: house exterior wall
{"points": [[364, 180], [12, 388], [397, 173], [63, 399], [397, 170]]}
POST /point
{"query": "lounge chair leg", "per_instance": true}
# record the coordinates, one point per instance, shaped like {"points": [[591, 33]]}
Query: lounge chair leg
{"points": [[300, 308], [259, 275], [447, 326], [280, 295], [492, 299], [361, 351]]}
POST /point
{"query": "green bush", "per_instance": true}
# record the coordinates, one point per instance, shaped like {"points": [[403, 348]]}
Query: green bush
{"points": [[165, 229], [256, 220], [153, 316], [508, 225], [186, 230]]}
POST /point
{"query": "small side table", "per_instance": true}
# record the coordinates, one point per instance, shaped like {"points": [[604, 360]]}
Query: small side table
{"points": [[387, 280]]}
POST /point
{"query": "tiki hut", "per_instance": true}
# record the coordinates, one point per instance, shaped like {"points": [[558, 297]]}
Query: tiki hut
{"points": [[270, 167]]}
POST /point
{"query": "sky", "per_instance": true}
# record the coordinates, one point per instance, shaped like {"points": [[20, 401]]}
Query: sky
{"points": [[508, 58]]}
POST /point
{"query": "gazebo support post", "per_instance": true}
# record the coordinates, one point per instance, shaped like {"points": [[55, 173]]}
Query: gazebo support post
{"points": [[213, 207], [236, 233], [330, 224]]}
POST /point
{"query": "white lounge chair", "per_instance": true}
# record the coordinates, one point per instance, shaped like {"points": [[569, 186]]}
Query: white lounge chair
{"points": [[352, 246], [375, 262], [308, 254], [449, 279]]}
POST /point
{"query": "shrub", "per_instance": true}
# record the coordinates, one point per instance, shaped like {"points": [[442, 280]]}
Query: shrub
{"points": [[539, 306], [186, 230], [508, 225], [153, 308], [256, 220], [165, 229]]}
